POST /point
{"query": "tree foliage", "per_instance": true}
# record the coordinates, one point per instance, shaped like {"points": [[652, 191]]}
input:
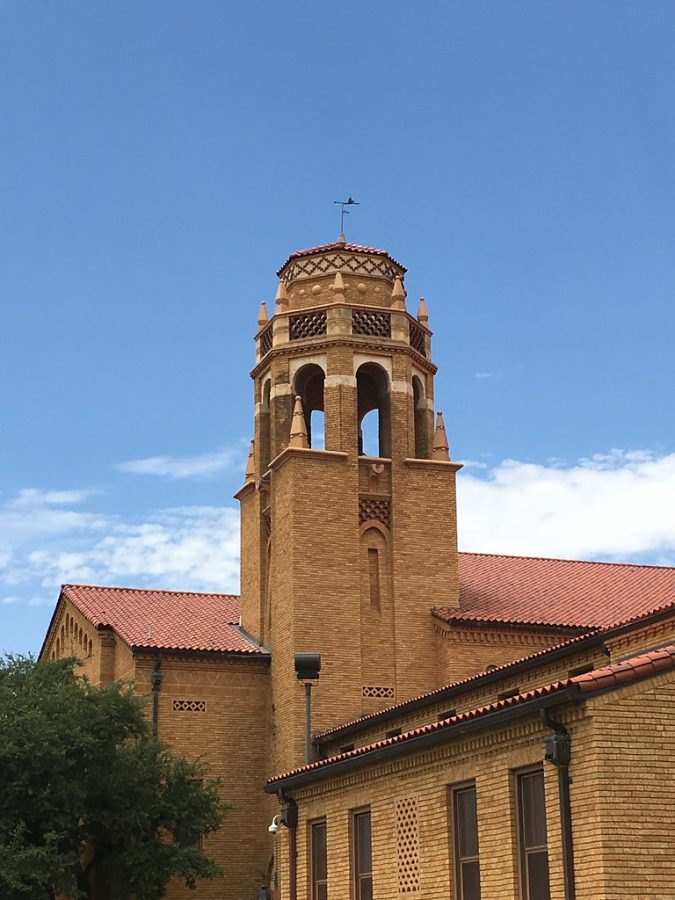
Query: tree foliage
{"points": [[88, 796]]}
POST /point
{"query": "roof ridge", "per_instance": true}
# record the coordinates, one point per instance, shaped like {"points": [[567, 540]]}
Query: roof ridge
{"points": [[112, 587], [585, 562]]}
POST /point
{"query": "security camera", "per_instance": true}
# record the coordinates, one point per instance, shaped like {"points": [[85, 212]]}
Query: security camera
{"points": [[274, 827]]}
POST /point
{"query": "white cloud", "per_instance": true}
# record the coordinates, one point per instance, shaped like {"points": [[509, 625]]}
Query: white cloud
{"points": [[617, 505], [32, 512], [189, 548], [201, 466], [611, 506]]}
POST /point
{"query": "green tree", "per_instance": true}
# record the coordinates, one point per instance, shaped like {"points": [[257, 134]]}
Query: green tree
{"points": [[90, 802]]}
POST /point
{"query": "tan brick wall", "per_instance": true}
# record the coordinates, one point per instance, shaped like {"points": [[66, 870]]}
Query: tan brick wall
{"points": [[232, 736], [621, 797], [470, 697], [464, 651]]}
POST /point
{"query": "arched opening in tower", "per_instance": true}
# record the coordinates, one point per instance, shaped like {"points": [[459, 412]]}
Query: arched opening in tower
{"points": [[419, 413], [265, 445], [309, 386], [374, 411]]}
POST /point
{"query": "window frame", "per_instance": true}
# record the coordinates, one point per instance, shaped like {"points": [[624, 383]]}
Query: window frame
{"points": [[314, 882], [357, 875], [457, 859], [525, 851]]}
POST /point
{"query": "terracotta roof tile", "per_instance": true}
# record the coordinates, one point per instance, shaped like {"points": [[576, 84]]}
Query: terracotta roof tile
{"points": [[431, 696], [177, 620], [605, 678], [556, 592], [339, 246]]}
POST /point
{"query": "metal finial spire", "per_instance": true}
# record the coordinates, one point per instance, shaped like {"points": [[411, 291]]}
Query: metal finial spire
{"points": [[345, 212]]}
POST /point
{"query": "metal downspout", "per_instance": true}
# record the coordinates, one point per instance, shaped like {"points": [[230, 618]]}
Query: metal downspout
{"points": [[558, 753]]}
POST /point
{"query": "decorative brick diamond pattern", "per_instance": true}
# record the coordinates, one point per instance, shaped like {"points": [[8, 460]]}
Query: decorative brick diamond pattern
{"points": [[374, 508], [266, 340], [417, 339], [371, 323], [407, 844], [377, 692], [340, 262], [309, 324], [193, 706]]}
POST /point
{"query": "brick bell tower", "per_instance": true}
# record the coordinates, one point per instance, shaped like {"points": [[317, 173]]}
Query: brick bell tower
{"points": [[345, 553]]}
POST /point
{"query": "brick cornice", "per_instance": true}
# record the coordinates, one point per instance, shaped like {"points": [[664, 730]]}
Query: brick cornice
{"points": [[357, 342]]}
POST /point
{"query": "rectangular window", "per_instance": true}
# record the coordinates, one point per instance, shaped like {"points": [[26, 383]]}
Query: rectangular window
{"points": [[465, 840], [532, 839], [319, 860], [362, 855]]}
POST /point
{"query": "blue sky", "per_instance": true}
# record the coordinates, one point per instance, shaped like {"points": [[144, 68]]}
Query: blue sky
{"points": [[160, 160]]}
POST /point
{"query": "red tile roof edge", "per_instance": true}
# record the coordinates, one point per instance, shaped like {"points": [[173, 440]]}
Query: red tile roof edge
{"points": [[459, 617], [492, 675], [338, 245], [606, 678], [144, 590], [562, 559]]}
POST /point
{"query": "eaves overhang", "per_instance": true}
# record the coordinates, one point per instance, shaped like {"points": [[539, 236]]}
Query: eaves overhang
{"points": [[405, 745]]}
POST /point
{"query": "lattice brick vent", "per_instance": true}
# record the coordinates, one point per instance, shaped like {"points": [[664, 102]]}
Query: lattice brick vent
{"points": [[370, 323], [339, 262], [372, 508], [417, 339], [189, 705], [378, 692], [266, 340], [407, 845], [306, 325]]}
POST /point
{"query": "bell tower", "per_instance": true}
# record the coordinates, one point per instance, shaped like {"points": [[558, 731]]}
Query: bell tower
{"points": [[348, 508]]}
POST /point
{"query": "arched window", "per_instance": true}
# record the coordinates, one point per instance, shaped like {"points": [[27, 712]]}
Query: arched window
{"points": [[265, 448], [372, 388], [419, 408], [309, 386]]}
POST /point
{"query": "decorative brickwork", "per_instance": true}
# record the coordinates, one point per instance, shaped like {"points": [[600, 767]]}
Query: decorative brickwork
{"points": [[266, 340], [308, 324], [198, 706], [341, 262], [374, 508], [370, 323], [417, 339], [407, 845], [378, 693]]}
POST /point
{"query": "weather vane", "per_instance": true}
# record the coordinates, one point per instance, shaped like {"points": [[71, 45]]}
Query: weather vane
{"points": [[345, 212]]}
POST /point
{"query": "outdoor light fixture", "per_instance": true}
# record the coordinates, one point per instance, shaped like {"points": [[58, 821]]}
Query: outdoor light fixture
{"points": [[307, 668]]}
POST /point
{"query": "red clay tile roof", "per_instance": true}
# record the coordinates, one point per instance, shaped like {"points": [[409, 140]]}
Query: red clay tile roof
{"points": [[606, 678], [176, 620], [338, 246], [556, 592]]}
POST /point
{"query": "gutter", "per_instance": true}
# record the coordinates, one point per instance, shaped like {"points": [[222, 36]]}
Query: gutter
{"points": [[404, 746], [569, 648]]}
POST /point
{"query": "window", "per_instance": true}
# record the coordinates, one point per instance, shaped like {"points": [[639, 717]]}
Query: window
{"points": [[362, 855], [465, 828], [319, 860], [372, 388], [532, 840]]}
